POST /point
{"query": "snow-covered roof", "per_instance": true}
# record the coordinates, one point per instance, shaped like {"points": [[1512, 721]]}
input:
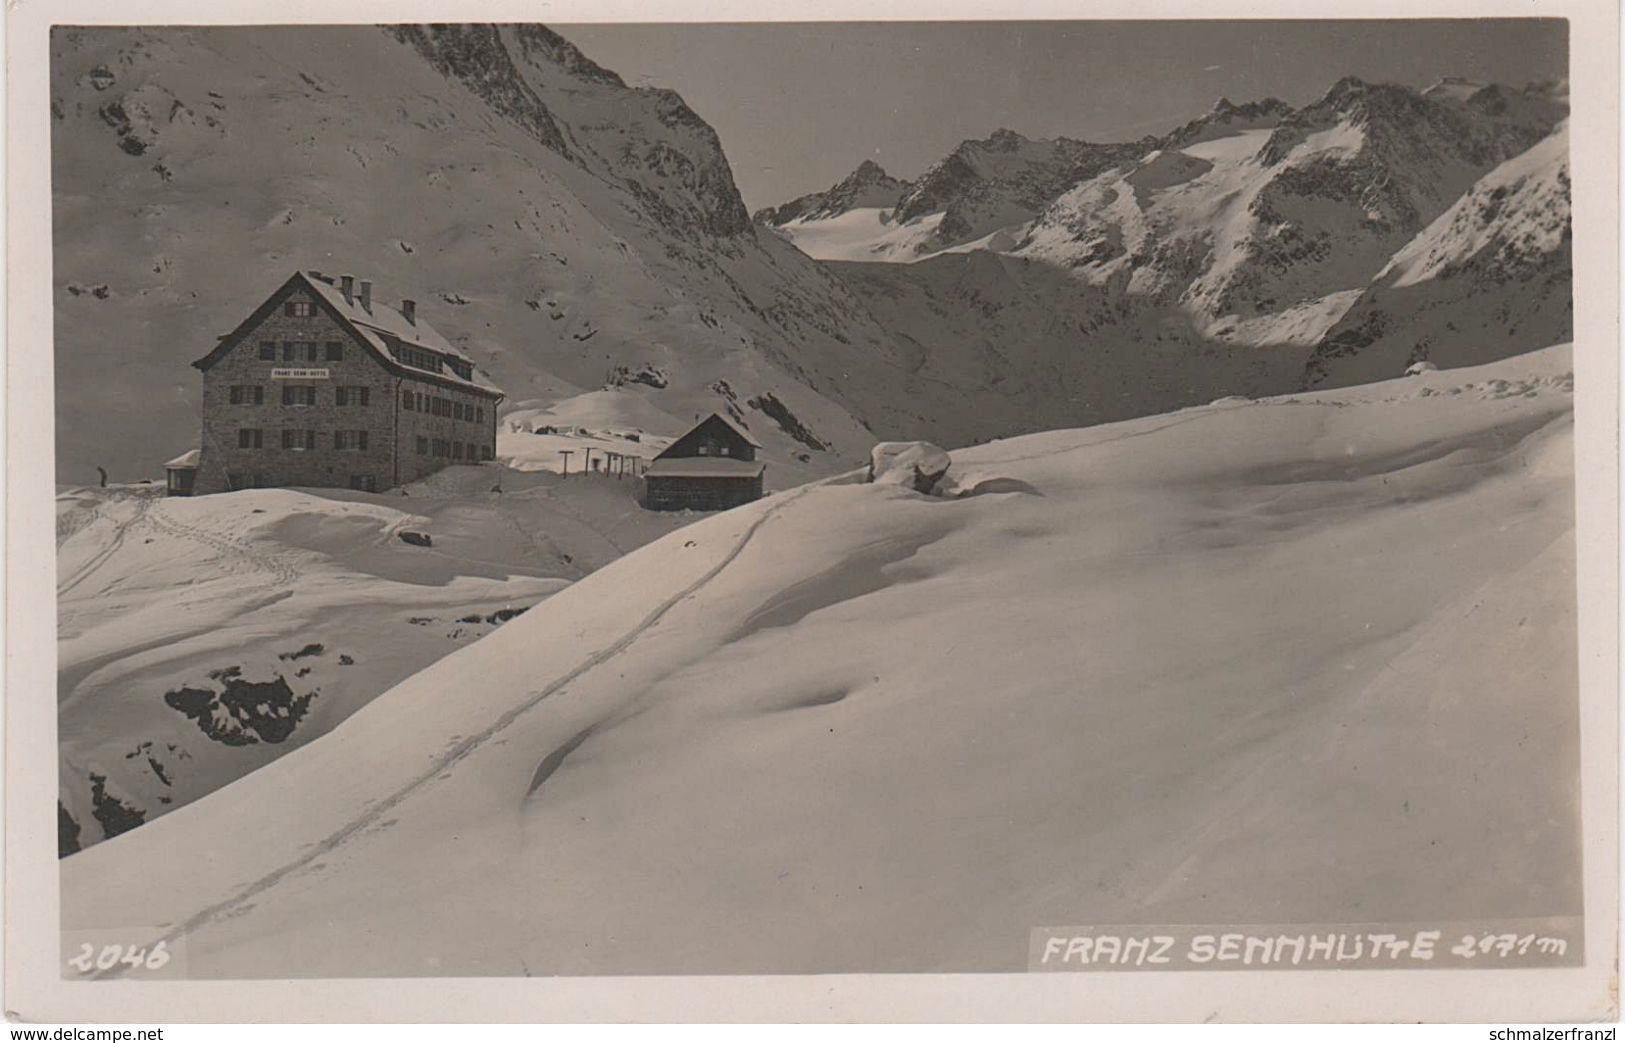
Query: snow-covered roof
{"points": [[737, 429], [703, 467], [381, 318], [378, 326], [380, 323], [189, 459]]}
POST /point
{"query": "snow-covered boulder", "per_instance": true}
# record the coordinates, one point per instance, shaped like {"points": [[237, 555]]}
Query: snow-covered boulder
{"points": [[918, 465], [1416, 369]]}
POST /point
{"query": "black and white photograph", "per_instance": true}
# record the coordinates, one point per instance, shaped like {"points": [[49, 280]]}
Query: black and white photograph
{"points": [[1085, 500]]}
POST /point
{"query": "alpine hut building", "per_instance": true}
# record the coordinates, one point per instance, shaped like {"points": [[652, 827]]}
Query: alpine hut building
{"points": [[711, 468], [323, 385]]}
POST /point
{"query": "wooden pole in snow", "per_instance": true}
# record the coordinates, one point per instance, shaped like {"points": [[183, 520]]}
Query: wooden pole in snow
{"points": [[566, 453]]}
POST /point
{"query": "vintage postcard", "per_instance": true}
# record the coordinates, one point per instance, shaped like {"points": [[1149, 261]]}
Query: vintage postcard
{"points": [[677, 512]]}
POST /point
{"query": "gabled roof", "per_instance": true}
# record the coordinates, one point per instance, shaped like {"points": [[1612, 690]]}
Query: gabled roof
{"points": [[186, 461], [740, 431], [375, 328]]}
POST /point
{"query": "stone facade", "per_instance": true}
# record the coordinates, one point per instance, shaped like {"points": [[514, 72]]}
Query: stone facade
{"points": [[327, 411]]}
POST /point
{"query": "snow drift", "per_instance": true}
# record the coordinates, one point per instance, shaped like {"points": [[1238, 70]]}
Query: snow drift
{"points": [[1297, 659]]}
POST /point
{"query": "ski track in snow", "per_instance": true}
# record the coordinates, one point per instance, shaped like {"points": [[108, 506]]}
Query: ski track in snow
{"points": [[232, 550], [103, 556], [149, 514], [442, 764]]}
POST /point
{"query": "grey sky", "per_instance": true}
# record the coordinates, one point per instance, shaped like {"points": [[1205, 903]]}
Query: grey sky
{"points": [[798, 105]]}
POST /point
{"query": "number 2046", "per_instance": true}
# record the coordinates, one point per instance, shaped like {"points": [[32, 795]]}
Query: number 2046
{"points": [[115, 959]]}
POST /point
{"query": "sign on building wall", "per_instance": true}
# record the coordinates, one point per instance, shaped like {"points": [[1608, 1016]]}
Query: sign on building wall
{"points": [[289, 373]]}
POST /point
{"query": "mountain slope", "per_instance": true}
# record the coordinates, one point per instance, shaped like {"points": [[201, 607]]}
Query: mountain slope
{"points": [[1488, 278], [561, 226], [803, 713], [1248, 253]]}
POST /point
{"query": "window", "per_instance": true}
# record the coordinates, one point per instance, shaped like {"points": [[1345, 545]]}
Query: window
{"points": [[268, 350], [298, 439], [479, 414], [489, 452], [335, 351], [406, 400], [456, 410], [350, 396], [364, 483], [462, 369], [247, 395], [298, 395], [423, 445], [287, 351], [352, 440], [299, 309], [456, 450], [250, 438], [417, 358], [309, 350]]}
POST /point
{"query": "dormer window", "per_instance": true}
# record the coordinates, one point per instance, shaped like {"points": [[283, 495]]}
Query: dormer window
{"points": [[417, 358]]}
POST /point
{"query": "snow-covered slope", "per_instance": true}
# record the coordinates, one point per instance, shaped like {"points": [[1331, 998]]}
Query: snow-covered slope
{"points": [[199, 639], [562, 227], [1489, 277], [1247, 253], [1249, 223], [1245, 663]]}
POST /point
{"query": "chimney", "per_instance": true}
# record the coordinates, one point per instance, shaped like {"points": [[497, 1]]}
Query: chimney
{"points": [[347, 286], [366, 296], [409, 311]]}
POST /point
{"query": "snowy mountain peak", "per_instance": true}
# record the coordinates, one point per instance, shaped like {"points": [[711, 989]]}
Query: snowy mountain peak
{"points": [[1227, 118], [869, 186], [1004, 140]]}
